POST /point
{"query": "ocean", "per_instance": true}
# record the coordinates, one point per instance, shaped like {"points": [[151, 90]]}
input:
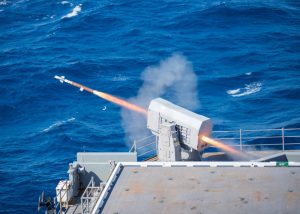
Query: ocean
{"points": [[244, 57]]}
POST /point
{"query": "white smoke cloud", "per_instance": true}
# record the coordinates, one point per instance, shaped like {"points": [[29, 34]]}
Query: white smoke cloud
{"points": [[173, 77]]}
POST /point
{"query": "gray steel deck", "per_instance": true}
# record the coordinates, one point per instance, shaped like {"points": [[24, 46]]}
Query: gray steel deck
{"points": [[75, 207], [205, 190]]}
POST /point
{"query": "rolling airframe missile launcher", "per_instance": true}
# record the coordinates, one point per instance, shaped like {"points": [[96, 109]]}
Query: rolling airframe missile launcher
{"points": [[181, 174]]}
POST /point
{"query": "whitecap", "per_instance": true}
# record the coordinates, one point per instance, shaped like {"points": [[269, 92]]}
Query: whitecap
{"points": [[234, 91], [58, 124], [119, 78], [74, 12], [66, 2], [2, 3], [248, 89], [248, 73]]}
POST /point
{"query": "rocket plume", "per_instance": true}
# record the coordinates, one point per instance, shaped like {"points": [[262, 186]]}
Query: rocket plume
{"points": [[105, 96], [121, 102], [140, 110], [221, 146]]}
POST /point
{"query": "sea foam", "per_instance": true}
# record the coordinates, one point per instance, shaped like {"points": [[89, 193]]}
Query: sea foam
{"points": [[58, 124], [248, 89], [74, 12], [4, 2], [65, 2], [120, 78]]}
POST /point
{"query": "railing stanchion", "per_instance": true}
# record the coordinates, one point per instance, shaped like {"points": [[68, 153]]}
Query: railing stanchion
{"points": [[55, 207], [60, 203], [67, 196], [282, 135], [241, 140]]}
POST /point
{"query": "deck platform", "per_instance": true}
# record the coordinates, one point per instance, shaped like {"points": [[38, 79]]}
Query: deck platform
{"points": [[179, 189]]}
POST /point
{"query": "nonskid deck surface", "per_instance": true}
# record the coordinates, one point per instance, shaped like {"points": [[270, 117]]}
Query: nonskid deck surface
{"points": [[75, 208], [205, 190]]}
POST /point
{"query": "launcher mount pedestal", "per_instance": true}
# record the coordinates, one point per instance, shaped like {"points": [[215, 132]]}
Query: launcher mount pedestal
{"points": [[178, 130]]}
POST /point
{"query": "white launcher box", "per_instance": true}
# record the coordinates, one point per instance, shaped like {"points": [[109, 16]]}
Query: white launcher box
{"points": [[191, 126]]}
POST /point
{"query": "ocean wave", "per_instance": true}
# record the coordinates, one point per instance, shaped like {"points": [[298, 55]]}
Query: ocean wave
{"points": [[248, 89], [288, 93], [2, 3], [214, 15], [106, 47], [74, 12], [58, 124], [119, 78], [66, 2]]}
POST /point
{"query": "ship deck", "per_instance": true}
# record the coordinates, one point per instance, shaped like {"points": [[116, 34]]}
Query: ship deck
{"points": [[203, 189]]}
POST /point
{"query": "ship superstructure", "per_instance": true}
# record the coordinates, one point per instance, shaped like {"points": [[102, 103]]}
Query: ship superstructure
{"points": [[177, 170]]}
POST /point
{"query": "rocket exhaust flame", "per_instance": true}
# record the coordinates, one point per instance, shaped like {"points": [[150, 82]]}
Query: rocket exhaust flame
{"points": [[141, 110], [121, 102], [222, 146], [105, 96]]}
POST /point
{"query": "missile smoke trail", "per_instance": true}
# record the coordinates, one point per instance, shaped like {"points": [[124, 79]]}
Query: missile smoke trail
{"points": [[105, 96], [140, 110], [121, 102]]}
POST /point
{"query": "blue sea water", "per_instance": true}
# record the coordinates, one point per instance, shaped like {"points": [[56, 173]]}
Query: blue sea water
{"points": [[246, 55]]}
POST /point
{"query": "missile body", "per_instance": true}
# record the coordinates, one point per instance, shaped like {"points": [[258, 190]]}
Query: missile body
{"points": [[62, 79], [105, 96]]}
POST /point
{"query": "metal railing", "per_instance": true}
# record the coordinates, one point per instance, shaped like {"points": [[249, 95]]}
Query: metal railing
{"points": [[90, 197], [242, 139], [59, 195], [278, 139], [145, 147]]}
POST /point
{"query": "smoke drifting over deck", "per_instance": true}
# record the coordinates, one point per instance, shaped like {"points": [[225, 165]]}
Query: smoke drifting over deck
{"points": [[136, 129], [173, 77]]}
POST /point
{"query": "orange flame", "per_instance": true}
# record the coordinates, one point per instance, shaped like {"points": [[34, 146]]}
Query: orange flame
{"points": [[221, 146], [121, 102]]}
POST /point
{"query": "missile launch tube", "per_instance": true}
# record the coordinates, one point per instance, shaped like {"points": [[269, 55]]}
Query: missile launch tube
{"points": [[139, 109]]}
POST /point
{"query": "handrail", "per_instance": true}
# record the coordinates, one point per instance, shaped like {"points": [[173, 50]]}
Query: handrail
{"points": [[148, 144], [145, 146], [60, 204], [258, 130], [133, 147], [90, 193], [140, 155], [244, 136]]}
